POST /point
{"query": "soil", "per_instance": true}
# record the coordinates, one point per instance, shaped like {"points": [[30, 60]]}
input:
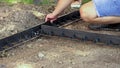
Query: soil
{"points": [[50, 52], [18, 17], [83, 26]]}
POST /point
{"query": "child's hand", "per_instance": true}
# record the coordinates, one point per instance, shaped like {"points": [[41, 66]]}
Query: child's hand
{"points": [[50, 17]]}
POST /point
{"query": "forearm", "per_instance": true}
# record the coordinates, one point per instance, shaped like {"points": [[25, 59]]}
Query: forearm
{"points": [[62, 4]]}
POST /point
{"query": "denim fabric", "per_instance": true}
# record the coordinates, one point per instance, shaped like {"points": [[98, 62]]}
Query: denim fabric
{"points": [[107, 7]]}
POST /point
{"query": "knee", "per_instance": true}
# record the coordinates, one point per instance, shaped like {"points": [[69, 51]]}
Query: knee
{"points": [[86, 15]]}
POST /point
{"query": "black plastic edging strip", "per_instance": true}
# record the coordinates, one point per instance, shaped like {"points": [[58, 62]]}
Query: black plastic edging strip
{"points": [[103, 38], [35, 31], [50, 30], [19, 37]]}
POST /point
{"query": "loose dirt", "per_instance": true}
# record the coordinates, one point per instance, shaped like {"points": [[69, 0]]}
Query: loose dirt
{"points": [[50, 52]]}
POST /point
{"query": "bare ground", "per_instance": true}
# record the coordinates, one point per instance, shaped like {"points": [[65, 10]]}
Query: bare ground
{"points": [[52, 52]]}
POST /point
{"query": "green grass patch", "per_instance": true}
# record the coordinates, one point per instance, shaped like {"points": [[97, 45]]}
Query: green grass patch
{"points": [[17, 1], [45, 2], [42, 2], [85, 1]]}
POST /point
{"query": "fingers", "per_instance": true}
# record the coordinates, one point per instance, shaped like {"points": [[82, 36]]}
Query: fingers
{"points": [[46, 19], [52, 20], [50, 17]]}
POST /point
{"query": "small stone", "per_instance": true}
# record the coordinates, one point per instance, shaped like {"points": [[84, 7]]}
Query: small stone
{"points": [[12, 54], [81, 53], [40, 45], [60, 62], [38, 14], [1, 18], [73, 63], [29, 46], [24, 65], [41, 55], [8, 55]]}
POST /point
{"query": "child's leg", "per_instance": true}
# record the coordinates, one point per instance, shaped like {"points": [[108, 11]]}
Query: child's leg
{"points": [[107, 20], [89, 14]]}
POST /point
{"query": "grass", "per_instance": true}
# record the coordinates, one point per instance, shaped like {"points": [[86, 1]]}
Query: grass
{"points": [[47, 2], [17, 1], [85, 1]]}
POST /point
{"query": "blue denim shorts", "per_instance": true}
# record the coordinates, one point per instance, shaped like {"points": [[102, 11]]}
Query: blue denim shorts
{"points": [[107, 7]]}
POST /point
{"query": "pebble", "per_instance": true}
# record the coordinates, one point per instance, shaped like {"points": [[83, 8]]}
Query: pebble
{"points": [[40, 45], [1, 18], [73, 63], [81, 53], [41, 55], [38, 14], [60, 62], [29, 46], [12, 54]]}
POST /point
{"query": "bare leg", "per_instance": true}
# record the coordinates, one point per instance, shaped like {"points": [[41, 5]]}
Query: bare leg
{"points": [[88, 13]]}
